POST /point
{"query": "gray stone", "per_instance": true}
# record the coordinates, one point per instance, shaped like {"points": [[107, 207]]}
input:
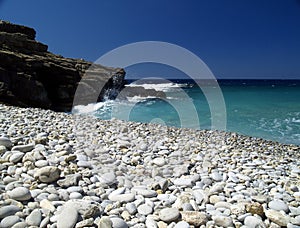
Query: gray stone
{"points": [[182, 224], [131, 208], [253, 222], [278, 205], [20, 194], [216, 176], [169, 214], [69, 180], [48, 174], [144, 209], [24, 148], [108, 178], [186, 182], [68, 217], [221, 220], [105, 222], [289, 225], [9, 221], [5, 142], [194, 218], [75, 195], [127, 197], [150, 223], [8, 210], [20, 225], [35, 218], [16, 157], [118, 223], [296, 220], [85, 223], [159, 161], [278, 217], [145, 192]]}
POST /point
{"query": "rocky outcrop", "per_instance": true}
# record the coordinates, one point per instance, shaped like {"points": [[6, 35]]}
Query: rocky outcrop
{"points": [[30, 76]]}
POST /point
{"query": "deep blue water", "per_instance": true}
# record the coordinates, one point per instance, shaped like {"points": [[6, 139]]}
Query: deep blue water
{"points": [[269, 109]]}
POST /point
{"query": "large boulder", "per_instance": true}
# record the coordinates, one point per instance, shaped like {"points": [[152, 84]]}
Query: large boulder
{"points": [[30, 76]]}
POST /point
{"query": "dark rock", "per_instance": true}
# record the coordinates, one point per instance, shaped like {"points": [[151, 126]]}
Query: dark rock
{"points": [[30, 76]]}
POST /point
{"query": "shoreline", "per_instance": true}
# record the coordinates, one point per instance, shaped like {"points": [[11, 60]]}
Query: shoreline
{"points": [[103, 173]]}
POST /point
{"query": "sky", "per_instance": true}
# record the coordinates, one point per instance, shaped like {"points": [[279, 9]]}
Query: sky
{"points": [[236, 39]]}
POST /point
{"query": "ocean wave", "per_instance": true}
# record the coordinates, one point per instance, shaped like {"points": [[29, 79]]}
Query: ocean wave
{"points": [[165, 87]]}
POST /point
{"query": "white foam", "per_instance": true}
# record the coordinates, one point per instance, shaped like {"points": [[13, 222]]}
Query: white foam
{"points": [[159, 86], [90, 108]]}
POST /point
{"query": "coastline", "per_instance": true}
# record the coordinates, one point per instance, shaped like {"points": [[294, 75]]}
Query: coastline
{"points": [[111, 173]]}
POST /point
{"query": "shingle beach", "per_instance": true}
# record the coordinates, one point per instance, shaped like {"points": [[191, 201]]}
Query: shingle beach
{"points": [[62, 170]]}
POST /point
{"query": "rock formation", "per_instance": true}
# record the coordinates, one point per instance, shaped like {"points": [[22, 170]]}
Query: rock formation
{"points": [[30, 76]]}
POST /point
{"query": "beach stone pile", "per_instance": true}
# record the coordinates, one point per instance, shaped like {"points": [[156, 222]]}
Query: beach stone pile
{"points": [[61, 170]]}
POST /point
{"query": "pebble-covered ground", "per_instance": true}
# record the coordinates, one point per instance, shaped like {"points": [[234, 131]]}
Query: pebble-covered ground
{"points": [[59, 170]]}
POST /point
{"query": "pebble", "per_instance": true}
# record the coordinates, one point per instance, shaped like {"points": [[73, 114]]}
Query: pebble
{"points": [[221, 220], [4, 141], [131, 208], [48, 174], [16, 157], [118, 223], [144, 209], [182, 224], [35, 218], [253, 222], [127, 197], [20, 194], [23, 148], [194, 218], [278, 217], [68, 211], [8, 210], [9, 221], [278, 205], [169, 214]]}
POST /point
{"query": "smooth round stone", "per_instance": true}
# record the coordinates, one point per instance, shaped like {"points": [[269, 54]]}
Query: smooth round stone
{"points": [[41, 163], [35, 218], [183, 182], [194, 218], [118, 223], [105, 222], [2, 149], [216, 176], [150, 223], [4, 141], [21, 225], [23, 148], [187, 207], [278, 205], [277, 217], [144, 209], [68, 217], [221, 220], [75, 195], [9, 221], [20, 194], [108, 178], [16, 157], [253, 222], [48, 174], [159, 161], [182, 224], [169, 214], [8, 210], [146, 192], [131, 208], [84, 164], [127, 197]]}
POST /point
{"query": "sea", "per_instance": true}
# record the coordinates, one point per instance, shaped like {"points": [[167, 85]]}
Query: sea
{"points": [[268, 109]]}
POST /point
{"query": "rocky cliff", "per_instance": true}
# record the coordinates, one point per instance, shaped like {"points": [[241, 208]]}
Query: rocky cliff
{"points": [[30, 76]]}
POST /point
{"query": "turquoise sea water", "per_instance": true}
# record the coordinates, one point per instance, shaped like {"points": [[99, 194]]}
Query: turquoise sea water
{"points": [[266, 109]]}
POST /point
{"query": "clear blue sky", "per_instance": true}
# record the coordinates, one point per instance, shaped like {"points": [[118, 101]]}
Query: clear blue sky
{"points": [[235, 38]]}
